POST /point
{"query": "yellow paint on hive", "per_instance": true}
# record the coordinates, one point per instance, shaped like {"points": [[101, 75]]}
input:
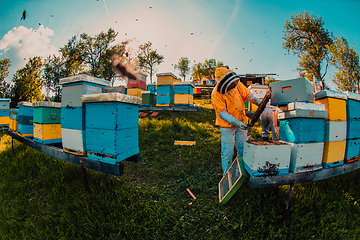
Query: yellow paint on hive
{"points": [[183, 99], [13, 124], [4, 120], [165, 105], [188, 143], [336, 108], [135, 92], [47, 131], [165, 80], [334, 151]]}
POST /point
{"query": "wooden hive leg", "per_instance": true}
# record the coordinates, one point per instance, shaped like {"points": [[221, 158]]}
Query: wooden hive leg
{"points": [[292, 185], [83, 173]]}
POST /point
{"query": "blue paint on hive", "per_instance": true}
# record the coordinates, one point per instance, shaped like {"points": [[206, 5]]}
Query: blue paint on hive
{"points": [[73, 118], [352, 148], [352, 109], [165, 99], [334, 164], [302, 130], [353, 129], [4, 112], [184, 89], [165, 90]]}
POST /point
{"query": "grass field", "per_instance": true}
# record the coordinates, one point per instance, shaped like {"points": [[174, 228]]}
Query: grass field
{"points": [[44, 198]]}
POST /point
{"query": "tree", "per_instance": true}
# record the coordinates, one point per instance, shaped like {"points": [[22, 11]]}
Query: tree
{"points": [[346, 61], [307, 38], [93, 48], [206, 70], [148, 58], [72, 57], [54, 70], [28, 82], [183, 66], [4, 73]]}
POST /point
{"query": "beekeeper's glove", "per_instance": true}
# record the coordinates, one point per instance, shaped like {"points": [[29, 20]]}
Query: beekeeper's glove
{"points": [[226, 116]]}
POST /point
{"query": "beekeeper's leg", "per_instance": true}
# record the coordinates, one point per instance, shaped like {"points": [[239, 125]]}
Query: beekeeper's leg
{"points": [[274, 128], [227, 147], [240, 138]]}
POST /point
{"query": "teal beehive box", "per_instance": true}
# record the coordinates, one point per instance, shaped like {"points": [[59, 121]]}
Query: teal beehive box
{"points": [[25, 119], [47, 112], [112, 126], [293, 90]]}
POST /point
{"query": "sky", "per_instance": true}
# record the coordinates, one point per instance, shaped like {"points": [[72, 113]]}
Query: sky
{"points": [[246, 35]]}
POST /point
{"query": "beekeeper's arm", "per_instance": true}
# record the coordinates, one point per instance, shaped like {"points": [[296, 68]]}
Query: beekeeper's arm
{"points": [[226, 116], [254, 99]]}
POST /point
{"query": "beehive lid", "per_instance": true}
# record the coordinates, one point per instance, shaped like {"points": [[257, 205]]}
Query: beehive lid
{"points": [[14, 110], [330, 93], [166, 74], [353, 96], [47, 104], [258, 86], [84, 78], [141, 73], [24, 104], [111, 97], [148, 92], [5, 99], [184, 83]]}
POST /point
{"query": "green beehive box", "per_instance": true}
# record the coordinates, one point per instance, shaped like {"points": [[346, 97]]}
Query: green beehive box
{"points": [[47, 112], [148, 98]]}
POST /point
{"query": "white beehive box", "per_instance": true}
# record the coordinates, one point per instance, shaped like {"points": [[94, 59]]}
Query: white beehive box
{"points": [[303, 113], [335, 131], [258, 90], [73, 141], [267, 158], [306, 157]]}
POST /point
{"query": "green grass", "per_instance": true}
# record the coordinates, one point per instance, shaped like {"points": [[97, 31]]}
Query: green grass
{"points": [[44, 198]]}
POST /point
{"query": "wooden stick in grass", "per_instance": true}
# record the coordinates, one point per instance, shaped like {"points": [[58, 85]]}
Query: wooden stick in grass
{"points": [[191, 194]]}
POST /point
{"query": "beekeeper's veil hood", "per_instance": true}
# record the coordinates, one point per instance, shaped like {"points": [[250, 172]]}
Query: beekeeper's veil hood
{"points": [[226, 79]]}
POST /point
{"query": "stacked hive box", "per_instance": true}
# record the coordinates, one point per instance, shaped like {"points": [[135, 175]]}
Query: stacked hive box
{"points": [[47, 122], [72, 111], [302, 123], [4, 112], [353, 126], [183, 94], [135, 87], [112, 126], [13, 125], [148, 98], [335, 130], [259, 91], [152, 88], [25, 119], [165, 89]]}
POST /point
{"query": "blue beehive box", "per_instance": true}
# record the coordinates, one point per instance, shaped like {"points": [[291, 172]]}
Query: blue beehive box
{"points": [[352, 148], [112, 126], [286, 91], [25, 119], [165, 90], [183, 88], [302, 130], [353, 128], [151, 88], [73, 112], [165, 100]]}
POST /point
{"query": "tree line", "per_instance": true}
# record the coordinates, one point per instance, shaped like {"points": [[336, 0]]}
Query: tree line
{"points": [[304, 35]]}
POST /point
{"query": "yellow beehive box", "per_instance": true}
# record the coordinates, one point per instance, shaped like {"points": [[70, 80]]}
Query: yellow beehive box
{"points": [[334, 152], [336, 108], [47, 133], [166, 79], [183, 99], [4, 121], [13, 125], [135, 92]]}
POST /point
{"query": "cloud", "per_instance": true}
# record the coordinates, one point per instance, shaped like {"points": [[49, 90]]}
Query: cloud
{"points": [[21, 43]]}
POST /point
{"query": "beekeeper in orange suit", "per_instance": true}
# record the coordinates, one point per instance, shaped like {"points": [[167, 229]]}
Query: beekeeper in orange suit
{"points": [[228, 98]]}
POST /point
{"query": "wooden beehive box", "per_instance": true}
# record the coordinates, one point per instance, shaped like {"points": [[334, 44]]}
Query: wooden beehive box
{"points": [[72, 112], [286, 91], [335, 104], [306, 157], [4, 117], [164, 100], [335, 131], [136, 84], [165, 90], [47, 112], [353, 129], [148, 98], [112, 126], [47, 133], [184, 99], [141, 76], [232, 180], [267, 158], [258, 90], [13, 125], [166, 79], [119, 89], [5, 103], [151, 88], [183, 88], [303, 113], [334, 153], [136, 92], [302, 130], [25, 119], [352, 148], [352, 106]]}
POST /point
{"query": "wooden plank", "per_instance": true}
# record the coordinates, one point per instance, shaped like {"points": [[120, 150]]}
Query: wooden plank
{"points": [[112, 169], [170, 108], [303, 177]]}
